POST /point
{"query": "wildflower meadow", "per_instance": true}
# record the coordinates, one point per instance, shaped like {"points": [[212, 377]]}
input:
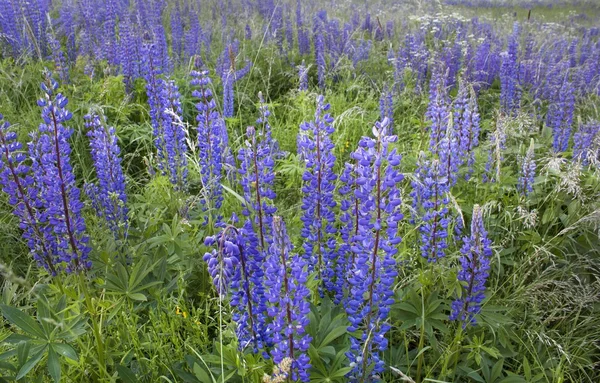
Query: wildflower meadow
{"points": [[278, 191]]}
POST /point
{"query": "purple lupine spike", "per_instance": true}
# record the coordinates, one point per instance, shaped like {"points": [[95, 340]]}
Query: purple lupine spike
{"points": [[586, 143], [470, 131], [177, 33], [527, 175], [228, 268], [23, 194], [315, 148], [475, 266], [510, 96], [362, 50], [211, 143], [349, 207], [129, 56], [449, 153], [108, 194], [193, 37], [289, 305], [303, 77], [175, 135], [438, 110], [59, 197], [375, 246], [229, 75], [58, 56], [303, 39], [165, 117], [560, 116], [386, 107], [320, 57], [430, 200]]}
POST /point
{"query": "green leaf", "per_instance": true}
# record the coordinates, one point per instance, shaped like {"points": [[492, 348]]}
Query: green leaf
{"points": [[53, 365], [333, 335], [233, 193], [126, 375], [31, 363], [23, 321], [138, 297], [65, 350]]}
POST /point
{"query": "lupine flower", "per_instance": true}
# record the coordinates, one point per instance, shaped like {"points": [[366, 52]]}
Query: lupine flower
{"points": [[212, 142], [58, 56], [23, 194], [303, 77], [438, 110], [586, 143], [175, 135], [320, 57], [229, 75], [495, 153], [449, 154], [560, 116], [469, 131], [475, 266], [303, 39], [108, 195], [510, 96], [349, 216], [376, 243], [289, 306], [430, 200], [128, 52], [59, 197], [527, 172], [386, 107], [316, 150], [228, 268], [362, 49], [166, 120]]}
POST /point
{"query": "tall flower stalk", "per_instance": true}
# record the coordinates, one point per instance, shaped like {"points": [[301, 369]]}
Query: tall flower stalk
{"points": [[59, 197], [212, 143], [108, 194], [373, 271], [316, 149], [17, 182], [475, 266], [289, 305]]}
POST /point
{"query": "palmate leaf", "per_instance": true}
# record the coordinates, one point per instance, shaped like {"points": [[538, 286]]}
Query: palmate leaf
{"points": [[23, 321]]}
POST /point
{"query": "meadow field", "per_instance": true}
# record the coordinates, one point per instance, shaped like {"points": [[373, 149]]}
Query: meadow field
{"points": [[210, 191]]}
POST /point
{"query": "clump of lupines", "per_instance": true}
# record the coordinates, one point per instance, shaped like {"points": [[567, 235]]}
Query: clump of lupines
{"points": [[438, 110], [23, 194], [108, 194], [316, 150], [288, 297], [376, 243], [212, 141], [430, 200], [527, 175], [586, 143], [475, 265], [59, 198]]}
